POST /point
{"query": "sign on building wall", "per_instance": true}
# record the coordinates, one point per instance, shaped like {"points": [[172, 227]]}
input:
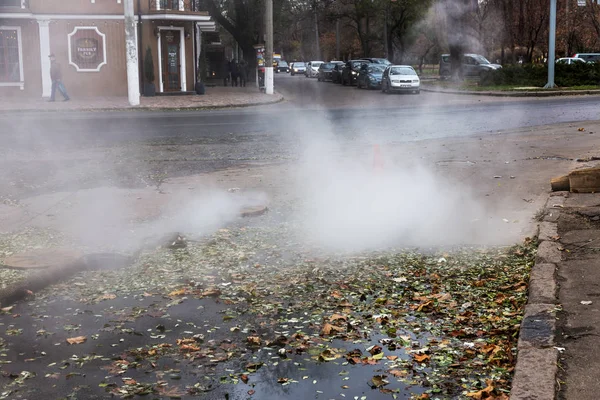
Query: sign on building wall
{"points": [[87, 49]]}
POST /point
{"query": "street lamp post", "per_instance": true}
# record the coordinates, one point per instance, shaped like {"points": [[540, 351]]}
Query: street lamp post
{"points": [[551, 46]]}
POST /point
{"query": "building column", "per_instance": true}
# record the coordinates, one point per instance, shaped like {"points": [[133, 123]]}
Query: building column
{"points": [[198, 51], [131, 54], [44, 28]]}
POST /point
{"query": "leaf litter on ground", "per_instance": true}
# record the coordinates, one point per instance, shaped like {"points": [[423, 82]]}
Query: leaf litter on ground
{"points": [[436, 328]]}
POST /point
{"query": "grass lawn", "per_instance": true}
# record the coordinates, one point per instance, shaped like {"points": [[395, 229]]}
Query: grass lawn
{"points": [[474, 85]]}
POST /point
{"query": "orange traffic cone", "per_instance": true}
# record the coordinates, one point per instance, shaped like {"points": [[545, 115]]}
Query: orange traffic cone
{"points": [[377, 159]]}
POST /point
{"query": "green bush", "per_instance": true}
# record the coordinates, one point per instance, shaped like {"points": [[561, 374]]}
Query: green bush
{"points": [[580, 74]]}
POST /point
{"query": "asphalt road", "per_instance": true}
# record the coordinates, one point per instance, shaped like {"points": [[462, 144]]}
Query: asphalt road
{"points": [[312, 107]]}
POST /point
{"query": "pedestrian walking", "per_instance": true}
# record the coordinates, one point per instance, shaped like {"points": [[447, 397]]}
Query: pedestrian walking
{"points": [[226, 72], [234, 73], [56, 76], [243, 73]]}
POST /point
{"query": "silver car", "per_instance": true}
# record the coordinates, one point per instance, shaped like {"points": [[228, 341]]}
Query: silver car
{"points": [[297, 68], [312, 69]]}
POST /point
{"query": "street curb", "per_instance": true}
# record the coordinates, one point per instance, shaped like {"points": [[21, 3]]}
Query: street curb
{"points": [[536, 368], [149, 109], [555, 93]]}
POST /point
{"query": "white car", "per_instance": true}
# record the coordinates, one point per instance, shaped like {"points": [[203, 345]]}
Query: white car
{"points": [[400, 78], [312, 69], [570, 60]]}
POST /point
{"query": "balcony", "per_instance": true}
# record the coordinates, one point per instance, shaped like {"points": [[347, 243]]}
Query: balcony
{"points": [[177, 6], [14, 5]]}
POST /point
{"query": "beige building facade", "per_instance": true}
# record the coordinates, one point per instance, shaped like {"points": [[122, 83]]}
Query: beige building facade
{"points": [[88, 39]]}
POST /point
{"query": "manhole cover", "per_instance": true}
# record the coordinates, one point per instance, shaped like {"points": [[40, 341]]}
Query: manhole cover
{"points": [[42, 258], [253, 211]]}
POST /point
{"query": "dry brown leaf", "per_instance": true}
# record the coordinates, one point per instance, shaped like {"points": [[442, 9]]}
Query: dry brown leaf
{"points": [[179, 292], [336, 317], [77, 340], [254, 340], [328, 329], [421, 357], [398, 373], [212, 292], [479, 395]]}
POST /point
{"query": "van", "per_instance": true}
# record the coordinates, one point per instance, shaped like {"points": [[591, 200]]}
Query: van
{"points": [[588, 57], [472, 65]]}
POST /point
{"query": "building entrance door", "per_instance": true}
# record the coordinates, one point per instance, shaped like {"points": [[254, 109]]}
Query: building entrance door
{"points": [[171, 59]]}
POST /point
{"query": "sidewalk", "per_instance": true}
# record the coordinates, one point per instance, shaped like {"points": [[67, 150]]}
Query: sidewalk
{"points": [[215, 97]]}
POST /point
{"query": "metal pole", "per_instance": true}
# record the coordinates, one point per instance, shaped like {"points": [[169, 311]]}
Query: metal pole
{"points": [[318, 57], [269, 47], [551, 45], [131, 54]]}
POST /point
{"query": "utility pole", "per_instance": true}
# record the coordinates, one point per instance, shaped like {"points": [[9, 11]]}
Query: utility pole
{"points": [[269, 47], [337, 39], [318, 57], [131, 55], [551, 45]]}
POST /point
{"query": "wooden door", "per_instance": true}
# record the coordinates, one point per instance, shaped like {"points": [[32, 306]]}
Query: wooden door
{"points": [[171, 59]]}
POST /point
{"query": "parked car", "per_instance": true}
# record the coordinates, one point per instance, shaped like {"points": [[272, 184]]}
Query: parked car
{"points": [[350, 71], [325, 70], [312, 69], [336, 72], [472, 65], [282, 66], [383, 61], [297, 67], [400, 78], [588, 57], [570, 60], [370, 76]]}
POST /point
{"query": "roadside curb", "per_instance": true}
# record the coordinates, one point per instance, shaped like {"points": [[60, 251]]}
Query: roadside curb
{"points": [[149, 109], [536, 368], [513, 94]]}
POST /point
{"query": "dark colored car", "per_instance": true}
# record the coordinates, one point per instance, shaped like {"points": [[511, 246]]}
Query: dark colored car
{"points": [[350, 71], [325, 70], [282, 66], [336, 72], [472, 65], [382, 61], [370, 76]]}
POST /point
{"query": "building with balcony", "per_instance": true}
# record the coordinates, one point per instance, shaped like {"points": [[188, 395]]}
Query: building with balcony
{"points": [[88, 39]]}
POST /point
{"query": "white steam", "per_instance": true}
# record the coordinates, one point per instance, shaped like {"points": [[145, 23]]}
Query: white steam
{"points": [[365, 201]]}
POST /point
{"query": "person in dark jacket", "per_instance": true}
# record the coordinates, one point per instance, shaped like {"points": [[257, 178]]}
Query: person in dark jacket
{"points": [[243, 73], [234, 73], [56, 76]]}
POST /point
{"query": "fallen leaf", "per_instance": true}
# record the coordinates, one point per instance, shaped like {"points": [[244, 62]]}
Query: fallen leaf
{"points": [[336, 317], [77, 340], [328, 329], [379, 381], [421, 357], [398, 373], [179, 292]]}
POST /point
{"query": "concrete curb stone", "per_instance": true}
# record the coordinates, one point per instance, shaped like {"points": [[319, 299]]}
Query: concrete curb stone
{"points": [[536, 368], [553, 93], [280, 99]]}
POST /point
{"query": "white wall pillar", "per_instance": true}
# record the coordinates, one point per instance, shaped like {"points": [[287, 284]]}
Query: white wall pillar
{"points": [[131, 55], [44, 29]]}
